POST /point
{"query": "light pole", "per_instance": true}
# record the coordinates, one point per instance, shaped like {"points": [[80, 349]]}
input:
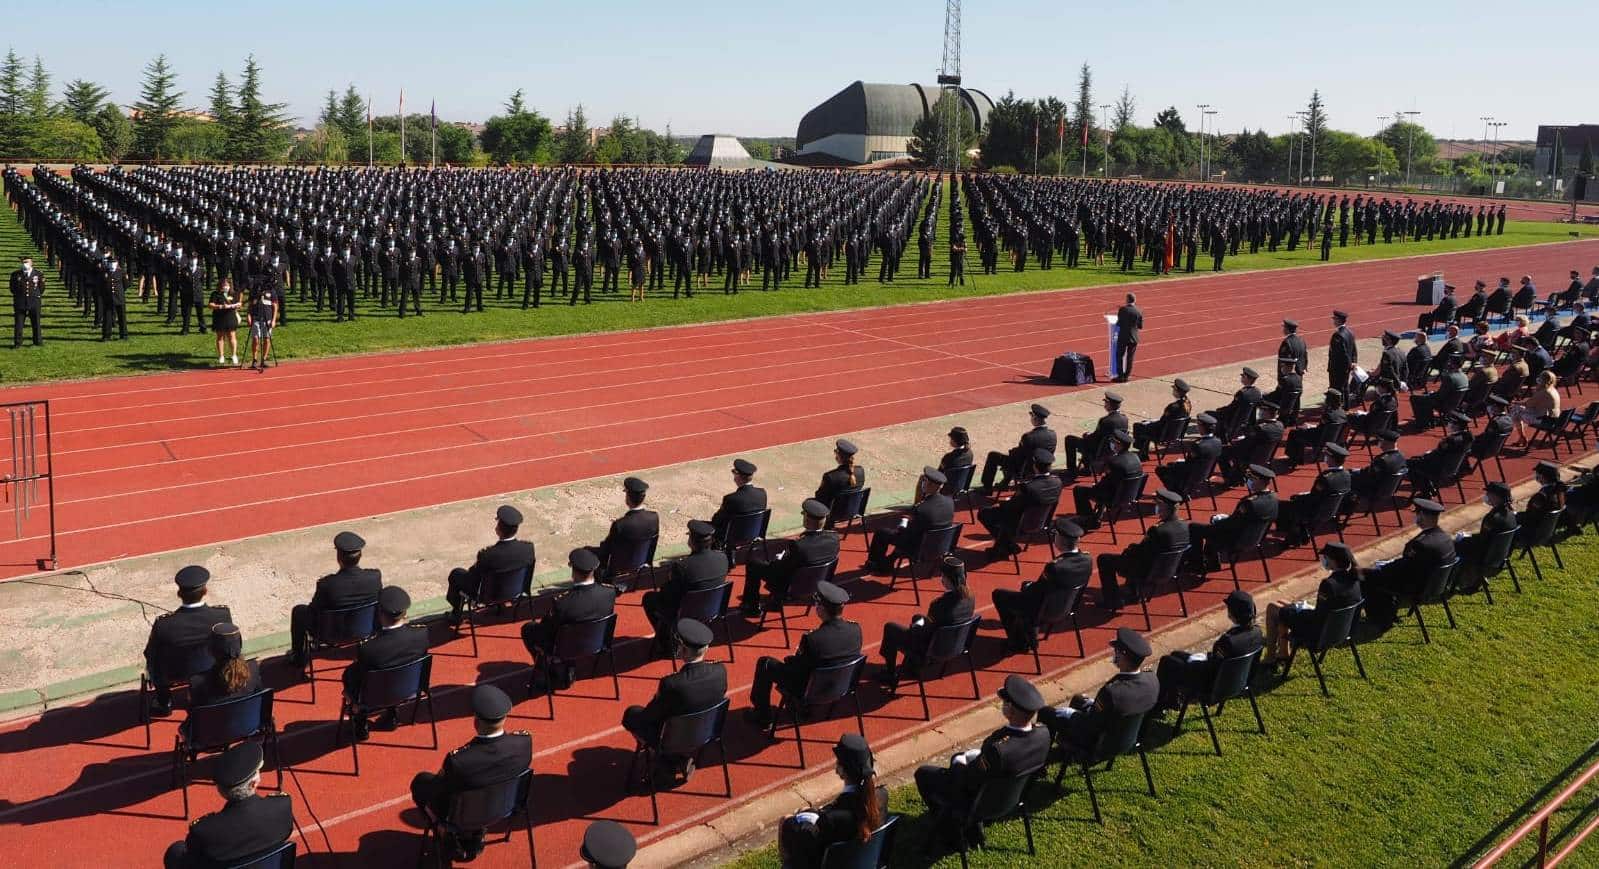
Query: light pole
{"points": [[1486, 120], [1304, 118], [1104, 124], [1293, 138], [1410, 140], [1496, 125], [1383, 121], [1210, 149], [1202, 113]]}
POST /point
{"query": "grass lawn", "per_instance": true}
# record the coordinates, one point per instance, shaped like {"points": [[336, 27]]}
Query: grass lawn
{"points": [[72, 347], [1449, 747]]}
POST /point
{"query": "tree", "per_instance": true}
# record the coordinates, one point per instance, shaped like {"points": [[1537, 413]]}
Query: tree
{"points": [[116, 132], [1251, 155], [350, 117], [1083, 109], [1009, 128], [1125, 108], [1412, 144], [758, 149], [65, 139], [190, 140], [1315, 128], [259, 130], [81, 100], [13, 100], [157, 107], [572, 146], [222, 102], [518, 136], [516, 105], [931, 139], [1170, 120], [38, 99], [325, 144]]}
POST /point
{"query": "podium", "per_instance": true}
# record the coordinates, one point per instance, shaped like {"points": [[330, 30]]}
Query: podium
{"points": [[1115, 358], [1430, 289]]}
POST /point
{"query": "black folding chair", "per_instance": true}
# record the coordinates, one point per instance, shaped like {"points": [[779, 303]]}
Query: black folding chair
{"points": [[1540, 531], [997, 798], [479, 809], [1372, 424], [1336, 628], [576, 640], [801, 590], [389, 688], [1123, 734], [1198, 474], [1493, 560], [1234, 678], [177, 665], [744, 531], [1386, 489], [708, 606], [1321, 514], [339, 629], [280, 857], [1035, 520], [1489, 446], [682, 736], [874, 853], [1163, 566], [1553, 430], [945, 645], [512, 587], [1127, 497], [1169, 437], [212, 728], [1252, 536], [958, 485], [825, 686], [1057, 607], [1434, 590], [627, 564], [931, 549], [849, 507]]}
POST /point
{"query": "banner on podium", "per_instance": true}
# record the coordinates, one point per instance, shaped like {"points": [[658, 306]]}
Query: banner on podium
{"points": [[1115, 359]]}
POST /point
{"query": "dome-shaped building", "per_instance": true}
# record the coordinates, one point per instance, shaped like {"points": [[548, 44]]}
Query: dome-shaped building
{"points": [[866, 122]]}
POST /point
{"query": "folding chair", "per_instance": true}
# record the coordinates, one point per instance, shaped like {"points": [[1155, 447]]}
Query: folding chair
{"points": [[480, 809], [1128, 494], [825, 686], [1337, 628], [682, 736], [958, 485], [945, 645], [708, 606], [849, 507], [996, 799], [212, 728], [874, 853], [1234, 678], [1252, 536], [744, 531], [177, 665], [1123, 734], [339, 629], [575, 640], [1385, 489], [1165, 565], [1169, 437], [513, 587], [389, 688], [931, 549], [1541, 532], [1057, 607], [801, 590], [627, 564], [280, 857]]}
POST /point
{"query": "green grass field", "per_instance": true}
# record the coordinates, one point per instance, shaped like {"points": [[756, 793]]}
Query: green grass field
{"points": [[72, 347], [1427, 765]]}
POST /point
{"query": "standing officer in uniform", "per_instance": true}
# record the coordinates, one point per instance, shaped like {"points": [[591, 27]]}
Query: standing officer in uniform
{"points": [[585, 601], [507, 554], [1293, 347], [700, 684], [814, 546], [834, 641], [248, 824], [491, 757], [1018, 610], [190, 293], [476, 269], [27, 290], [635, 525], [352, 585], [1342, 354], [957, 260], [344, 280], [113, 300], [1012, 463], [744, 499], [1129, 320], [396, 642], [703, 568], [188, 625]]}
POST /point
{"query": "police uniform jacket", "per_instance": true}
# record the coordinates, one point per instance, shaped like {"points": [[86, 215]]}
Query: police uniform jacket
{"points": [[748, 498], [1124, 694], [185, 626], [1006, 752], [697, 686], [960, 457], [484, 761], [630, 527], [1258, 508], [694, 572], [1042, 437], [350, 586], [390, 647], [1392, 365], [1342, 352], [831, 642], [582, 603], [26, 290], [839, 820], [242, 828], [1237, 640], [935, 511], [809, 549], [838, 480], [1294, 347], [1425, 551], [1122, 466], [1161, 537], [503, 556]]}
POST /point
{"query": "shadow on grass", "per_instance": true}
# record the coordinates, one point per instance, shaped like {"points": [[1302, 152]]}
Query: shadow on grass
{"points": [[1578, 811]]}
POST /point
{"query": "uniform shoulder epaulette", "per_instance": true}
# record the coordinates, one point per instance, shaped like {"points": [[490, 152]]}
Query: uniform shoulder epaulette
{"points": [[522, 733]]}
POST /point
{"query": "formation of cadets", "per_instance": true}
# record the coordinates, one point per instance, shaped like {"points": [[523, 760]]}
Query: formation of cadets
{"points": [[348, 241]]}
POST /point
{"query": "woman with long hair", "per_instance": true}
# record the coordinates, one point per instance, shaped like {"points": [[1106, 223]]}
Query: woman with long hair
{"points": [[854, 815], [846, 477], [230, 675], [225, 321], [1339, 589], [954, 606]]}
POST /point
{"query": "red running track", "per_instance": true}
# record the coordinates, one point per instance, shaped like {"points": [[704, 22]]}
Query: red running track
{"points": [[169, 461]]}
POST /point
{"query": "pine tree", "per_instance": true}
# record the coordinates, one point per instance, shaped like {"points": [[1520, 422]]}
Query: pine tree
{"points": [[221, 99], [1126, 106], [81, 100], [1315, 129], [259, 130], [157, 107], [516, 105], [931, 142], [38, 99], [572, 145], [330, 110], [14, 128], [1083, 109], [351, 116]]}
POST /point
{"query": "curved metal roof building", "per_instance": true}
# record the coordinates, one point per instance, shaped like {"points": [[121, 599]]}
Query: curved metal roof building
{"points": [[866, 122]]}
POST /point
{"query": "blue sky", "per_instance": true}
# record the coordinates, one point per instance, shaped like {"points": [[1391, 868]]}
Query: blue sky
{"points": [[753, 68]]}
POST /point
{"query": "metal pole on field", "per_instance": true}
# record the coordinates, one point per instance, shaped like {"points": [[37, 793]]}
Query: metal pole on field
{"points": [[1410, 140], [1293, 137], [1202, 114], [1210, 148], [1104, 124]]}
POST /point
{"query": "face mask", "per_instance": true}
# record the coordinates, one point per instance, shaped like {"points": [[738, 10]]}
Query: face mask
{"points": [[1417, 521], [1326, 563]]}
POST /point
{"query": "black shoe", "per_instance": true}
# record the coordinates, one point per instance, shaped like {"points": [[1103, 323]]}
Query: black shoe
{"points": [[360, 728], [387, 720], [887, 678], [160, 710], [760, 718], [750, 610]]}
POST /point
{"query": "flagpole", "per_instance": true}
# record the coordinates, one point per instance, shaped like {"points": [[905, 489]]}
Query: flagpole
{"points": [[433, 135], [402, 126], [369, 131]]}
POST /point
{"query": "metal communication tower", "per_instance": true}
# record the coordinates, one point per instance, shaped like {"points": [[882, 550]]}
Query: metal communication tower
{"points": [[949, 81]]}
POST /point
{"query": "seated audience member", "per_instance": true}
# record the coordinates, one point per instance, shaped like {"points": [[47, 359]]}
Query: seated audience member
{"points": [[1388, 461], [1019, 610], [1501, 517], [698, 685], [1145, 431], [960, 451], [835, 641], [1418, 362], [1542, 403], [814, 546], [1498, 304], [397, 642], [352, 586], [1286, 620], [1333, 480], [933, 510], [248, 825], [1551, 495], [704, 567], [1444, 312], [1132, 691], [1304, 439], [586, 600], [1240, 411], [1447, 397], [1508, 339], [1084, 449], [1018, 747], [507, 554], [1091, 501], [1427, 472], [188, 625], [1257, 444], [1168, 534], [493, 756], [1257, 510], [746, 498], [627, 531], [847, 477], [230, 674], [1290, 390], [952, 607], [854, 815], [1013, 463], [1186, 675], [1389, 580], [1003, 520], [1202, 452]]}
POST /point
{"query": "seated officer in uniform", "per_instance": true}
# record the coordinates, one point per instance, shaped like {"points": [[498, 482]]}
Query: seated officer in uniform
{"points": [[1131, 691], [585, 601], [396, 642], [700, 684], [1167, 534], [1241, 410], [249, 825], [814, 546], [703, 567], [1256, 510], [954, 606], [1257, 440], [1014, 462], [960, 451], [636, 525], [1501, 517], [847, 477], [188, 625], [1018, 610], [933, 510], [1197, 454], [507, 554], [353, 585], [1082, 450], [607, 845], [493, 756], [1389, 461], [1183, 674], [1426, 471], [1333, 480], [835, 641], [1021, 745], [1003, 520], [1178, 408], [746, 497], [230, 674], [1339, 589], [1091, 501], [1388, 580], [1305, 438], [857, 812]]}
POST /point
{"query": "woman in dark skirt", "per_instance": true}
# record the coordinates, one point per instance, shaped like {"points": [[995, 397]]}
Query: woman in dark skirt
{"points": [[225, 321]]}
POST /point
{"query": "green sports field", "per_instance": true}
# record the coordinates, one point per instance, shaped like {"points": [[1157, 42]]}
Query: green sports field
{"points": [[72, 347]]}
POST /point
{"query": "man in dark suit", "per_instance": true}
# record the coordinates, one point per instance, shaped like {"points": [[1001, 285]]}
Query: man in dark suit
{"points": [[1293, 347], [1444, 312], [1168, 534], [1388, 580], [1333, 481], [933, 510], [1130, 692], [1474, 308], [629, 529], [396, 642], [1014, 462], [493, 756], [1501, 517], [585, 601], [1342, 354], [507, 554], [1003, 520], [27, 292], [814, 546], [1018, 609], [248, 825], [703, 567], [1018, 747], [1090, 502], [1257, 510], [700, 684], [187, 626], [353, 585], [835, 641], [1085, 448], [745, 498], [1129, 322]]}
